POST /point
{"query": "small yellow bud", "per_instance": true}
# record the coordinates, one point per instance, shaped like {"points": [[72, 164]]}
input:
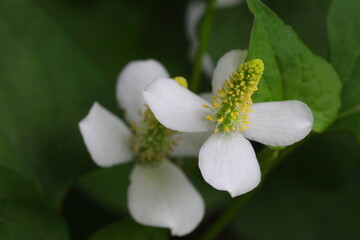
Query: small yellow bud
{"points": [[182, 81]]}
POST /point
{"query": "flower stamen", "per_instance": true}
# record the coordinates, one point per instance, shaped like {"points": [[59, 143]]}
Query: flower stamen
{"points": [[152, 141]]}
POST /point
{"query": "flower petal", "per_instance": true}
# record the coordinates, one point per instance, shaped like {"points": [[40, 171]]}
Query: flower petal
{"points": [[207, 96], [194, 12], [228, 162], [160, 195], [226, 66], [279, 123], [227, 3], [207, 64], [189, 144], [106, 137], [176, 107], [131, 83]]}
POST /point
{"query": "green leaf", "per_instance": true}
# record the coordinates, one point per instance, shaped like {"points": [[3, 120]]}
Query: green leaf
{"points": [[21, 220], [108, 186], [46, 87], [292, 71], [130, 230], [344, 38]]}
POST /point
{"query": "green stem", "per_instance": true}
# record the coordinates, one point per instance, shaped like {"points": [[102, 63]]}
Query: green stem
{"points": [[348, 112], [268, 159], [204, 36]]}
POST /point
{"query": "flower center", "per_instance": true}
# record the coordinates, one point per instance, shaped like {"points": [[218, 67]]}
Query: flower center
{"points": [[231, 104], [152, 141]]}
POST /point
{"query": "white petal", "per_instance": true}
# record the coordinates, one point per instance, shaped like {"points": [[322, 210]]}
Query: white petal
{"points": [[160, 195], [207, 96], [176, 107], [226, 66], [227, 3], [106, 137], [189, 144], [131, 83], [279, 123], [228, 162], [194, 11], [207, 65]]}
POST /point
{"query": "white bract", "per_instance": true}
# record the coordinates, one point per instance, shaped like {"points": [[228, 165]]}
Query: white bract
{"points": [[227, 160], [159, 194], [194, 12]]}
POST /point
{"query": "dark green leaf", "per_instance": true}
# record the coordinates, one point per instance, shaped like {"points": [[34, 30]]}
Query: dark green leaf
{"points": [[47, 86], [292, 71], [344, 39], [108, 186], [21, 220], [225, 35], [130, 230], [314, 195]]}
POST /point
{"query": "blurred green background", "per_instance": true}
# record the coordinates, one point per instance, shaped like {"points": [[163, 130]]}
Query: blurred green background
{"points": [[58, 57]]}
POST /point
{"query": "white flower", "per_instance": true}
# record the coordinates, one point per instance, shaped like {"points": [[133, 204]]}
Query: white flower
{"points": [[227, 160], [194, 12], [159, 193]]}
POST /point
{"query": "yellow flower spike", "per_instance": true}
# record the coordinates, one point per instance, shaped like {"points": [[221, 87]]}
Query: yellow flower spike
{"points": [[211, 118], [216, 105], [206, 106], [231, 104]]}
